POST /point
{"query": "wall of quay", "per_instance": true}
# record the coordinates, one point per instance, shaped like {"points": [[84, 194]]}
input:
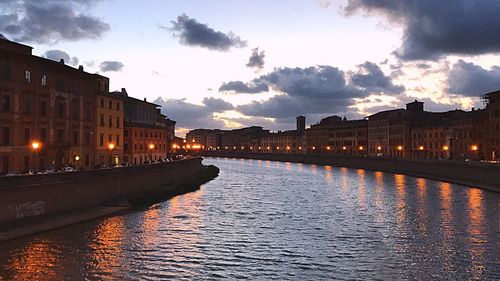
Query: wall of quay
{"points": [[471, 174], [28, 196]]}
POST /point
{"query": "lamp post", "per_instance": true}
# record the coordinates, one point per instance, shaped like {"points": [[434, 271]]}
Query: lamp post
{"points": [[111, 147], [36, 146], [151, 146], [475, 149], [77, 158]]}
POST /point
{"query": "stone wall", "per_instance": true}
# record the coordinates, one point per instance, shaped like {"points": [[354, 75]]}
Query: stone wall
{"points": [[475, 174], [27, 196]]}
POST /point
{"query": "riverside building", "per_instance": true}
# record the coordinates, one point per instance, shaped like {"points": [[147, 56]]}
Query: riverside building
{"points": [[46, 111]]}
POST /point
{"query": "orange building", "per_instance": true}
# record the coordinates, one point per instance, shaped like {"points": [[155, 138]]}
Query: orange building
{"points": [[109, 128]]}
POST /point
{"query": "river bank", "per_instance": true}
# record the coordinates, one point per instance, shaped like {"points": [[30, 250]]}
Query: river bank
{"points": [[34, 204], [481, 175]]}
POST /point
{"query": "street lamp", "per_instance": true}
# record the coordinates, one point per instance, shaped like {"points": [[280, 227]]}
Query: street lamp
{"points": [[111, 147], [77, 158], [151, 146], [36, 146]]}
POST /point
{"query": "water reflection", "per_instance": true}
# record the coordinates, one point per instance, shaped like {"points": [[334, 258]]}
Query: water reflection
{"points": [[476, 229], [39, 260], [321, 224]]}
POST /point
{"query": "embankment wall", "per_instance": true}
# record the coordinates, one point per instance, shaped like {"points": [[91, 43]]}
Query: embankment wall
{"points": [[481, 175], [28, 196]]}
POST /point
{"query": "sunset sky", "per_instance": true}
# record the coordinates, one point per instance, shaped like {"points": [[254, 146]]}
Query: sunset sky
{"points": [[228, 64]]}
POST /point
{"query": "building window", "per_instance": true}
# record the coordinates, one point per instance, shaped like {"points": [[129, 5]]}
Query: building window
{"points": [[60, 110], [102, 103], [118, 106], [101, 140], [75, 137], [60, 135], [44, 80], [117, 140], [43, 134], [27, 76], [27, 104], [110, 121], [6, 73], [125, 133], [5, 164], [125, 146], [110, 138], [118, 122], [26, 163], [6, 136], [87, 138], [26, 135], [110, 104], [101, 118], [5, 103], [43, 107]]}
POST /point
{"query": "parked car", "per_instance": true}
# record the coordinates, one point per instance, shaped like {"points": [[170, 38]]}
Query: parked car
{"points": [[68, 169]]}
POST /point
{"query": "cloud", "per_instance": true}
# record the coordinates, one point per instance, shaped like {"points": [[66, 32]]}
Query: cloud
{"points": [[189, 115], [324, 3], [108, 66], [468, 79], [372, 79], [435, 28], [317, 90], [256, 59], [217, 105], [254, 87], [192, 33], [57, 55], [50, 21]]}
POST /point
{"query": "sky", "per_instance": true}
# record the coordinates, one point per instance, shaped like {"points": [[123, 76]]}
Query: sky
{"points": [[234, 63]]}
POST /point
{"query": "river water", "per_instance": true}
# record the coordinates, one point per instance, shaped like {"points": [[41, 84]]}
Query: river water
{"points": [[264, 220]]}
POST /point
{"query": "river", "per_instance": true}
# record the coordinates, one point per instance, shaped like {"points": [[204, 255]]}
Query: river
{"points": [[264, 220]]}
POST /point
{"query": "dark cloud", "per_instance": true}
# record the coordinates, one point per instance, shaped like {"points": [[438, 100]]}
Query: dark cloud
{"points": [[192, 33], [435, 28], [108, 66], [316, 90], [50, 21], [372, 79], [189, 115], [57, 55], [244, 88], [256, 59], [468, 79], [217, 105]]}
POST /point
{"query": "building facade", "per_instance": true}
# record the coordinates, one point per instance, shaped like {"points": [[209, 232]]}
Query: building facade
{"points": [[47, 111], [109, 129]]}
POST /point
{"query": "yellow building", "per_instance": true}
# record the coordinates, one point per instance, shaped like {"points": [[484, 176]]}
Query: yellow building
{"points": [[109, 129]]}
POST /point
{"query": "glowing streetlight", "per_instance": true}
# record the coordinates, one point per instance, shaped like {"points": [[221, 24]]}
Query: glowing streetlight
{"points": [[344, 147], [361, 148], [421, 147], [379, 148], [446, 148], [473, 147], [400, 147], [111, 147], [36, 146], [151, 146], [328, 148]]}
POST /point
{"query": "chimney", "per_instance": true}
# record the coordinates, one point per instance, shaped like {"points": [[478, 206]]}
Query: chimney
{"points": [[80, 67], [472, 109], [124, 91], [61, 61], [144, 99]]}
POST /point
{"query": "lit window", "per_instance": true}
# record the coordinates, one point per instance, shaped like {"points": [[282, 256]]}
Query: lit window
{"points": [[44, 80], [27, 76]]}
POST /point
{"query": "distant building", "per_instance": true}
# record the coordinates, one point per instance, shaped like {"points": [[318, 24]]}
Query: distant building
{"points": [[282, 142], [301, 123], [48, 105], [337, 136], [493, 108], [145, 131]]}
